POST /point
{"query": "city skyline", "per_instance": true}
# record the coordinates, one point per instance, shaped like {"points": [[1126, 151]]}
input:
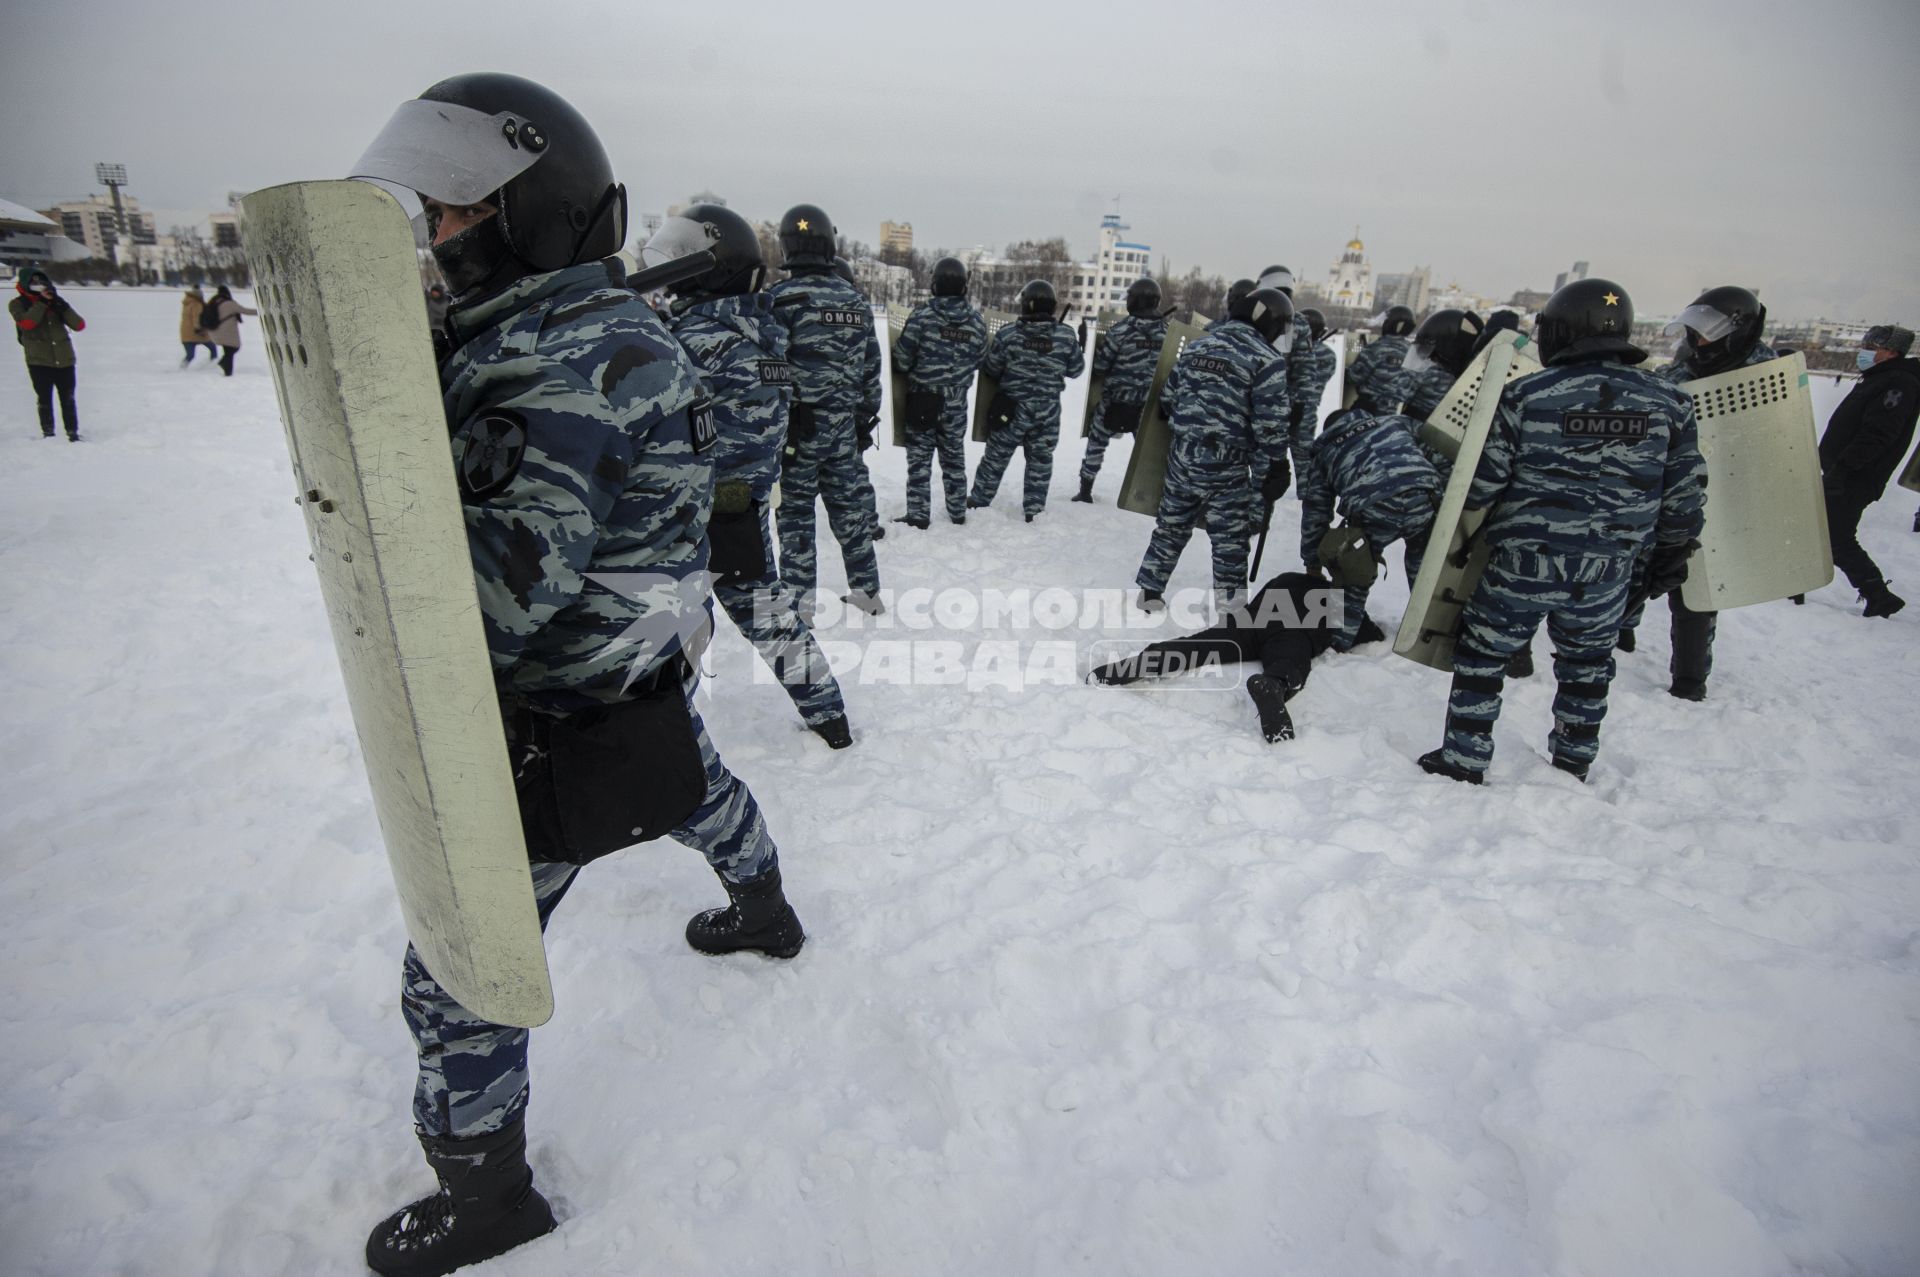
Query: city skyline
{"points": [[1233, 136]]}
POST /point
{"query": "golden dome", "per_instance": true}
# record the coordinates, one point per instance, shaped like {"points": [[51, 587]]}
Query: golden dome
{"points": [[1355, 246]]}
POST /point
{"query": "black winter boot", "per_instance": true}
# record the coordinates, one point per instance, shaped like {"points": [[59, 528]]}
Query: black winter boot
{"points": [[1880, 600], [1270, 702], [1086, 492], [1572, 767], [1434, 762], [1626, 642], [913, 521], [759, 918], [1520, 665], [1152, 601], [834, 731], [485, 1207]]}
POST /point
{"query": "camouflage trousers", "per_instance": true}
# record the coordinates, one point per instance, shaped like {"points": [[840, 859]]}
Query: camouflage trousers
{"points": [[1211, 484], [1581, 601], [1692, 632], [473, 1073], [828, 467], [950, 439], [1098, 437], [1037, 433], [767, 613], [1410, 520]]}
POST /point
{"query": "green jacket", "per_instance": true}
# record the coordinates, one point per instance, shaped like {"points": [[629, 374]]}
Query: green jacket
{"points": [[42, 328]]}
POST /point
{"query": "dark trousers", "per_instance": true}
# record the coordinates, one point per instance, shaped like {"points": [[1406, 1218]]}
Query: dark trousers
{"points": [[226, 359], [213, 351], [45, 382], [1844, 509]]}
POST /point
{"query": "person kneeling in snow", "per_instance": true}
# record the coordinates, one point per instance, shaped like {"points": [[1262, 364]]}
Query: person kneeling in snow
{"points": [[1289, 621]]}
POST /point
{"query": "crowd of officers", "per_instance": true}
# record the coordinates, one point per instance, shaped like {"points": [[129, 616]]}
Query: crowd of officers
{"points": [[594, 433]]}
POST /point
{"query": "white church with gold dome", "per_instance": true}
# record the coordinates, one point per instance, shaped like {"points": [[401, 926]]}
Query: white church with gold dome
{"points": [[1350, 283]]}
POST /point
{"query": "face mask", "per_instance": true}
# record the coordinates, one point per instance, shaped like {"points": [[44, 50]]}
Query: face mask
{"points": [[1865, 359]]}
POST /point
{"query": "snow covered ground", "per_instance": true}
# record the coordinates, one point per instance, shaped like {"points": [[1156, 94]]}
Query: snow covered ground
{"points": [[1098, 981]]}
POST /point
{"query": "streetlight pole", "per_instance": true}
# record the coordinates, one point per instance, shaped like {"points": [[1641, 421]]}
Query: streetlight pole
{"points": [[113, 177]]}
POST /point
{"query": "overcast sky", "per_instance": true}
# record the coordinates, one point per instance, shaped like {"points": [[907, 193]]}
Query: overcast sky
{"points": [[1674, 145]]}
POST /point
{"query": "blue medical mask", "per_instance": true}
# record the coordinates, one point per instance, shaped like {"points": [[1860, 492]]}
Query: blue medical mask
{"points": [[1864, 359]]}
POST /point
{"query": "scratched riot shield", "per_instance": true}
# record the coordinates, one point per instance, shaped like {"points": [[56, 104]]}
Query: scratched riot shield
{"points": [[1146, 474], [987, 388], [896, 380], [345, 325], [1446, 581], [1765, 536]]}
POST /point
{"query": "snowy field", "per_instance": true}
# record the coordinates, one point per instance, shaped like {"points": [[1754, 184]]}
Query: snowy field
{"points": [[1098, 982]]}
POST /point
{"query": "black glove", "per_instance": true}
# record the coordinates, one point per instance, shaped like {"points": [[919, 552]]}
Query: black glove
{"points": [[1278, 479], [1667, 567], [863, 430]]}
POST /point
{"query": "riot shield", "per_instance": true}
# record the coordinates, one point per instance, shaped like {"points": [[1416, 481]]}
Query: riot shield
{"points": [[1910, 477], [988, 385], [1146, 474], [1446, 426], [1096, 381], [345, 324], [1765, 536], [896, 380], [1446, 581]]}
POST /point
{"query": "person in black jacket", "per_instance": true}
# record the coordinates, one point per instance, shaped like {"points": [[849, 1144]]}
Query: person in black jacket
{"points": [[1866, 437]]}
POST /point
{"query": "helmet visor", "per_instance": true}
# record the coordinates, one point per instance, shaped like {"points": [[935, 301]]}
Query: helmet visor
{"points": [[1704, 320], [678, 237], [453, 154], [1281, 279], [1284, 341], [1419, 357]]}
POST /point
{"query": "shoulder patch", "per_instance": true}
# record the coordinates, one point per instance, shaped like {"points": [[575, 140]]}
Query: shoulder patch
{"points": [[839, 317], [496, 445], [1605, 425], [700, 424], [776, 372]]}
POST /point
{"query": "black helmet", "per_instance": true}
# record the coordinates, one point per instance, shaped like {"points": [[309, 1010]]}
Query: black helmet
{"points": [[1720, 329], [1238, 289], [843, 268], [1398, 323], [1143, 297], [490, 137], [1270, 311], [739, 266], [1316, 322], [1037, 300], [1445, 338], [1500, 321], [806, 236], [1587, 317], [1277, 277], [949, 278]]}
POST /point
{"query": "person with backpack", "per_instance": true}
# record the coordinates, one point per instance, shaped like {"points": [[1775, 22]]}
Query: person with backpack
{"points": [[192, 336], [221, 320], [41, 320]]}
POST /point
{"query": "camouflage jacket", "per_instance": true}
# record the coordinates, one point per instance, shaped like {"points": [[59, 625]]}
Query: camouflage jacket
{"points": [[1227, 393], [1127, 356], [1321, 367], [741, 352], [1376, 374], [1681, 369], [1304, 375], [1372, 468], [1033, 360], [1430, 386], [833, 348], [580, 446], [1590, 459], [941, 346]]}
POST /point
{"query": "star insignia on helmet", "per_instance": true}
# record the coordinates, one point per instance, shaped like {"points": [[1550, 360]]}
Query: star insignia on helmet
{"points": [[802, 224], [1611, 299]]}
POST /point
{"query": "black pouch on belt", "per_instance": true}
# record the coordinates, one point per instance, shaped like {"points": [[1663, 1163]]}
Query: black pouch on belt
{"points": [[600, 779], [737, 549]]}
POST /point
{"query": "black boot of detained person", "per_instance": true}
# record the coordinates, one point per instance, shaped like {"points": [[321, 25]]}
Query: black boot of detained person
{"points": [[485, 1207], [759, 919]]}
